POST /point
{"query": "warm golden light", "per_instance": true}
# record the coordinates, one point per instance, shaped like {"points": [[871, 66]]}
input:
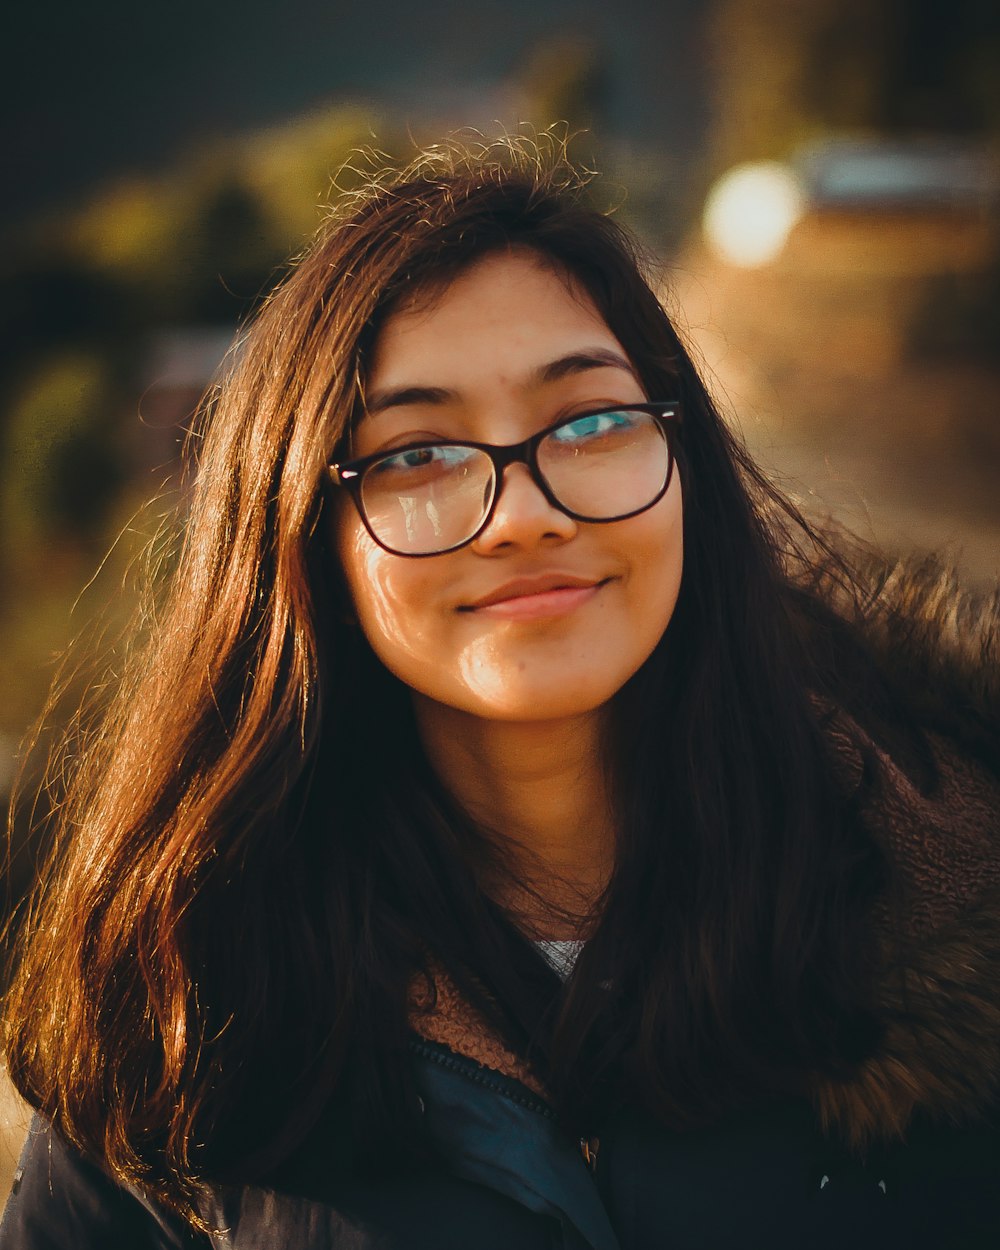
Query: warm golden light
{"points": [[750, 212]]}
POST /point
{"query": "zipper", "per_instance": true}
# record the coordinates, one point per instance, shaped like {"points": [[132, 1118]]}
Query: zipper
{"points": [[499, 1084], [507, 1086]]}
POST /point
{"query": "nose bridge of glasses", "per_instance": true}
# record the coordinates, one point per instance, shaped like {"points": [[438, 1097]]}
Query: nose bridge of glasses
{"points": [[524, 453], [504, 455]]}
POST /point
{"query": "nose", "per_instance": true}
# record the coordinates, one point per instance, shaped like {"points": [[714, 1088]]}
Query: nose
{"points": [[522, 516]]}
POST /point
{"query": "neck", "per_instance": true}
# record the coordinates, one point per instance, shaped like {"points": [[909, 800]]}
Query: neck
{"points": [[540, 788]]}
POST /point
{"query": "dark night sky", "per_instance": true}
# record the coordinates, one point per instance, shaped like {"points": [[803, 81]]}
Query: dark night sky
{"points": [[98, 88]]}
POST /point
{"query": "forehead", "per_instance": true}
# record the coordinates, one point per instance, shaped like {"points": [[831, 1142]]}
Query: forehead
{"points": [[429, 290], [503, 302]]}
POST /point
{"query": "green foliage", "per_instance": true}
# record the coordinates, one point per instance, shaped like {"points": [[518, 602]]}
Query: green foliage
{"points": [[61, 464], [82, 297], [564, 79], [198, 245], [789, 72]]}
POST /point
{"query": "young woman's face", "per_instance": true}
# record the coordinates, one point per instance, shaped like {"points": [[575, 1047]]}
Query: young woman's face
{"points": [[540, 617]]}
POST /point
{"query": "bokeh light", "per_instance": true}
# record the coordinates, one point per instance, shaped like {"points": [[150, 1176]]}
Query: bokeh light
{"points": [[750, 212]]}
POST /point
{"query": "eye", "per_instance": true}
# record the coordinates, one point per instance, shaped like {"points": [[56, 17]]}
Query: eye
{"points": [[413, 464], [416, 458], [597, 425]]}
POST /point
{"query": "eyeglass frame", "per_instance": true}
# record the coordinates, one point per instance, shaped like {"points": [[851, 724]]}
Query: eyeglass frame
{"points": [[350, 473]]}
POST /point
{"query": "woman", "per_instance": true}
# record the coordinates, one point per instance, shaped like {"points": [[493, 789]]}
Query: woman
{"points": [[519, 828]]}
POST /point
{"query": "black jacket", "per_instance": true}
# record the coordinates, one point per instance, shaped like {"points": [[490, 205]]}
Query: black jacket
{"points": [[512, 1179]]}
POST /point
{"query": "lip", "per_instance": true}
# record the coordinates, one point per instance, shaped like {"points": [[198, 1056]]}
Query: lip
{"points": [[552, 594]]}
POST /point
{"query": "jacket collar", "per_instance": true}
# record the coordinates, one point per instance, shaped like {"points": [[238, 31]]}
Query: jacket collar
{"points": [[495, 1132]]}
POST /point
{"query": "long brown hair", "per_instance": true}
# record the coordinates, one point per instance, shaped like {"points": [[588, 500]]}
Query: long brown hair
{"points": [[253, 860]]}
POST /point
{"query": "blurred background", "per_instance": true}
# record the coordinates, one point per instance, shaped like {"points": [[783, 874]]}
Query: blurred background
{"points": [[820, 181]]}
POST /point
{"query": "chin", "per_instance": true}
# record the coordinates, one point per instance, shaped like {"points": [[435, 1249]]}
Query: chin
{"points": [[570, 701]]}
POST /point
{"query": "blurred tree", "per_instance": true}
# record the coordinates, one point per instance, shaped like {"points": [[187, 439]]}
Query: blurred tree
{"points": [[61, 465], [198, 244], [83, 297], [54, 299], [230, 251], [787, 72], [564, 79]]}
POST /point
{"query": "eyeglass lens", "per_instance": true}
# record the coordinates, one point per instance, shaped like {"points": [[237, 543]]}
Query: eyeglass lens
{"points": [[599, 467]]}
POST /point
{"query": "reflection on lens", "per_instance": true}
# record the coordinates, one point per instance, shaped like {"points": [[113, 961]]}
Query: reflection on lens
{"points": [[428, 499], [600, 466], [607, 464]]}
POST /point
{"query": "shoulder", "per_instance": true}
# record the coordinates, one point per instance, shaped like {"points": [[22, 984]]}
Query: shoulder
{"points": [[938, 822], [933, 640], [938, 1002], [907, 689], [931, 795], [60, 1198], [936, 814]]}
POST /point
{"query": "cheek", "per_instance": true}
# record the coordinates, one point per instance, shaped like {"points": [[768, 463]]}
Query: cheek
{"points": [[658, 561], [402, 608], [655, 584], [386, 592]]}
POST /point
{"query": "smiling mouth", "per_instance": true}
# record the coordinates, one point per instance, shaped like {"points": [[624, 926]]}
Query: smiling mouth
{"points": [[536, 600]]}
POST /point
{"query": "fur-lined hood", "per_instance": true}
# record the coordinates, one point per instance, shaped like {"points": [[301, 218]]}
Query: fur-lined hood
{"points": [[940, 981]]}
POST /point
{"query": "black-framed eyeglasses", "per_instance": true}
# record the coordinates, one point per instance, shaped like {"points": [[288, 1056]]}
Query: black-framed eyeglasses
{"points": [[431, 497]]}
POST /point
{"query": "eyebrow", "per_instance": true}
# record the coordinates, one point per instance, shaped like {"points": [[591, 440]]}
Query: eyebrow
{"points": [[553, 371]]}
